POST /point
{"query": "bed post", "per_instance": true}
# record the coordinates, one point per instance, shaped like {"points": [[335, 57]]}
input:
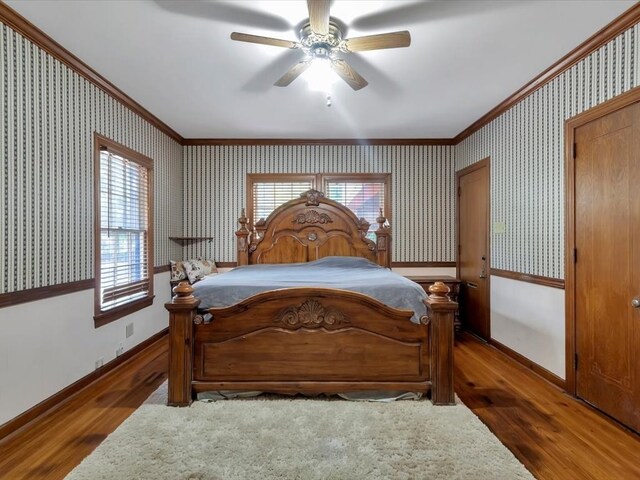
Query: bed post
{"points": [[383, 242], [242, 240], [182, 310], [440, 313]]}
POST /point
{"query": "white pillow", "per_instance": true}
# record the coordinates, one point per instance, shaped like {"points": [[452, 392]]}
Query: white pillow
{"points": [[197, 269], [177, 271]]}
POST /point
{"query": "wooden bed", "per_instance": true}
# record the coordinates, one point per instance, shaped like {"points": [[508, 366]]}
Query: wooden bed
{"points": [[310, 340]]}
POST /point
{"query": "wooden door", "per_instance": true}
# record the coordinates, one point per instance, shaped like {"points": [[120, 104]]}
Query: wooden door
{"points": [[473, 248], [607, 263]]}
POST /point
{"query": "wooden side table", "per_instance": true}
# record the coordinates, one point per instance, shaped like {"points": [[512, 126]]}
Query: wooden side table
{"points": [[425, 281]]}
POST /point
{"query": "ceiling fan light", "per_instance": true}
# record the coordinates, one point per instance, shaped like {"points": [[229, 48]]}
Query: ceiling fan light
{"points": [[320, 76]]}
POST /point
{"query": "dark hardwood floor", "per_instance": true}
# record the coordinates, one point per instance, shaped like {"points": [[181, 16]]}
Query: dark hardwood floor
{"points": [[555, 436], [52, 446]]}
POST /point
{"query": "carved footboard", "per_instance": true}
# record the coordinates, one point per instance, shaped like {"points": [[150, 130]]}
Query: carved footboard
{"points": [[308, 340]]}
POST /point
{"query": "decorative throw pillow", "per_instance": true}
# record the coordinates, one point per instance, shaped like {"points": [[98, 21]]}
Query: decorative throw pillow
{"points": [[177, 271], [197, 269], [209, 266]]}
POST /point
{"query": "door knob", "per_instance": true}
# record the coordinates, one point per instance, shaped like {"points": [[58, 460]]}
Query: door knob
{"points": [[635, 303]]}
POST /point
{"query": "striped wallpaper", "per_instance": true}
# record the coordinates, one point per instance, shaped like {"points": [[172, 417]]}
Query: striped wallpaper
{"points": [[526, 146], [49, 114], [423, 179]]}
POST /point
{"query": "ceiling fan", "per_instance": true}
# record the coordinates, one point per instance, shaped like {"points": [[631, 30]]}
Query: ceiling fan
{"points": [[321, 40]]}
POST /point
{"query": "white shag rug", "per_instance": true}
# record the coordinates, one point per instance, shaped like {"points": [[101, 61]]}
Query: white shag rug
{"points": [[300, 439]]}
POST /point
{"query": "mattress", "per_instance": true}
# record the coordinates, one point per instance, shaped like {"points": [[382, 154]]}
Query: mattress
{"points": [[345, 273]]}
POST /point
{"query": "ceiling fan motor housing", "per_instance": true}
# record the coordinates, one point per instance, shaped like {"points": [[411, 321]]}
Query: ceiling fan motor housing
{"points": [[321, 46]]}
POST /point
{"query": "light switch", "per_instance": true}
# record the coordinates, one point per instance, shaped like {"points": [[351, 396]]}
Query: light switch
{"points": [[499, 227]]}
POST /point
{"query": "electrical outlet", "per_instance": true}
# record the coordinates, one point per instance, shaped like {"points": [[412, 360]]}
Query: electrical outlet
{"points": [[120, 349], [129, 330], [99, 362]]}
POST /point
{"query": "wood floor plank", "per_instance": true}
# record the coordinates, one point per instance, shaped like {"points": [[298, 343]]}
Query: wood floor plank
{"points": [[554, 435], [55, 444]]}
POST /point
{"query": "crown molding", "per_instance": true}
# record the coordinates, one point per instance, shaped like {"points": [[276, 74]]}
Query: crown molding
{"points": [[599, 39], [17, 22], [317, 141], [13, 19], [596, 41]]}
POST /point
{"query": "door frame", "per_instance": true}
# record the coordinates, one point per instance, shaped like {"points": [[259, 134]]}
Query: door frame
{"points": [[570, 126], [485, 162]]}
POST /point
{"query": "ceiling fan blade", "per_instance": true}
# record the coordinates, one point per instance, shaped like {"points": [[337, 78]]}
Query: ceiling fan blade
{"points": [[319, 15], [293, 73], [276, 42], [378, 42], [348, 74], [262, 80]]}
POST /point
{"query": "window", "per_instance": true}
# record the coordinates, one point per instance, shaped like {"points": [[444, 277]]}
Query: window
{"points": [[365, 194], [124, 238], [268, 192]]}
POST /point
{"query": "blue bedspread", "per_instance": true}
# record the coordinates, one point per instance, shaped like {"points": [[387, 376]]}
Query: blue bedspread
{"points": [[346, 273]]}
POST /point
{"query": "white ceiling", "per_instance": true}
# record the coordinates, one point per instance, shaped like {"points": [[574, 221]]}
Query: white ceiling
{"points": [[175, 58]]}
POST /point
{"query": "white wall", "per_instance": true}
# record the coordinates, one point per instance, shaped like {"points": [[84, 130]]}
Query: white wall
{"points": [[529, 319], [408, 271], [526, 317], [48, 344]]}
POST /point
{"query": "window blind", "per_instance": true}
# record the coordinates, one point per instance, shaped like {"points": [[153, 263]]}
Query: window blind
{"points": [[267, 196], [365, 199], [124, 231]]}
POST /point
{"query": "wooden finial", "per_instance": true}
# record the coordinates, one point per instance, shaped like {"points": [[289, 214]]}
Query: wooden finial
{"points": [[242, 239], [439, 292], [243, 220], [381, 220], [183, 293]]}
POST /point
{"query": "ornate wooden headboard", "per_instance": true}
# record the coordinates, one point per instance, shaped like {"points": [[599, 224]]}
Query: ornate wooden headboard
{"points": [[309, 228]]}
